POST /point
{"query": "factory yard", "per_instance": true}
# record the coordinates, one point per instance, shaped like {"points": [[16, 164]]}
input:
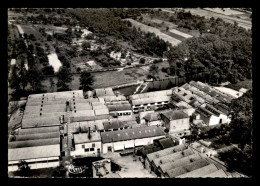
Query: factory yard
{"points": [[129, 167]]}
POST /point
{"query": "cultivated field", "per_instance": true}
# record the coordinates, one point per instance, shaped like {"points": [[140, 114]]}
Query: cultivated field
{"points": [[157, 32], [208, 14], [180, 33], [227, 12]]}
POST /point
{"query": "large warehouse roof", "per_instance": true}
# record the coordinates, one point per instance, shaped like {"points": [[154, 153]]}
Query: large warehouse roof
{"points": [[33, 152], [129, 134], [38, 130], [32, 143], [37, 136]]}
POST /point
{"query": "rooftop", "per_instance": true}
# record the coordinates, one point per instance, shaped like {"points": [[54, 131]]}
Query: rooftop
{"points": [[32, 143], [26, 137], [152, 116], [33, 152], [175, 114], [129, 134], [150, 100], [166, 143], [83, 138], [38, 130], [121, 107], [165, 152], [113, 124]]}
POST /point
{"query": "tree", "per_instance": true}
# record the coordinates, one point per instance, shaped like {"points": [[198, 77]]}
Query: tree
{"points": [[52, 84], [86, 45], [48, 70], [35, 78], [86, 81], [64, 77], [23, 168], [15, 81], [142, 60], [153, 71]]}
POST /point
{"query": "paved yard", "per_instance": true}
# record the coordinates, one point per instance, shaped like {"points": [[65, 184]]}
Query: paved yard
{"points": [[129, 168]]}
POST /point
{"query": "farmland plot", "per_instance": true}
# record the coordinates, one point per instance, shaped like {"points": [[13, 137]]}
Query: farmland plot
{"points": [[208, 14], [227, 12], [180, 33], [156, 31]]}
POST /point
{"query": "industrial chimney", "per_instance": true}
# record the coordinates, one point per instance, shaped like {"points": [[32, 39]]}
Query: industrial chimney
{"points": [[89, 136]]}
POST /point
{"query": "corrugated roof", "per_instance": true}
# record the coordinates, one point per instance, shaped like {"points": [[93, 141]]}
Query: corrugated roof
{"points": [[33, 143], [217, 174], [38, 130], [83, 138], [181, 162], [101, 112], [128, 134], [84, 126], [172, 157], [40, 122], [114, 98], [37, 136], [165, 152], [199, 172], [166, 143], [175, 114], [151, 94], [150, 100], [33, 152], [187, 168], [121, 107]]}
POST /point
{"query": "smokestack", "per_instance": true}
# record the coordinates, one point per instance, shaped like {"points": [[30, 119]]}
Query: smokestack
{"points": [[89, 136]]}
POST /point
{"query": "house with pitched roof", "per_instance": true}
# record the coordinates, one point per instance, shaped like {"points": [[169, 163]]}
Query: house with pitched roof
{"points": [[177, 122]]}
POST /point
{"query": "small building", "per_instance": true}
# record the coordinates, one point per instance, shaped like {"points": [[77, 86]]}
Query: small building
{"points": [[153, 119], [212, 116], [177, 122], [129, 138], [142, 114], [120, 110], [87, 144]]}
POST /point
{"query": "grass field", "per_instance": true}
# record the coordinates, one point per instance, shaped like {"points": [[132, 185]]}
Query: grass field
{"points": [[111, 78], [157, 32]]}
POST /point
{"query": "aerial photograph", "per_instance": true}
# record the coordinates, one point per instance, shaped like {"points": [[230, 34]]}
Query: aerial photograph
{"points": [[130, 92]]}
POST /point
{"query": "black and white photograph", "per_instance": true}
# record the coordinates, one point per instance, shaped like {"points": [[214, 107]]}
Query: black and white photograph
{"points": [[129, 92]]}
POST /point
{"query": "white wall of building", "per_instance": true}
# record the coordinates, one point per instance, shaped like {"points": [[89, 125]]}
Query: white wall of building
{"points": [[122, 144], [36, 163], [80, 149]]}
